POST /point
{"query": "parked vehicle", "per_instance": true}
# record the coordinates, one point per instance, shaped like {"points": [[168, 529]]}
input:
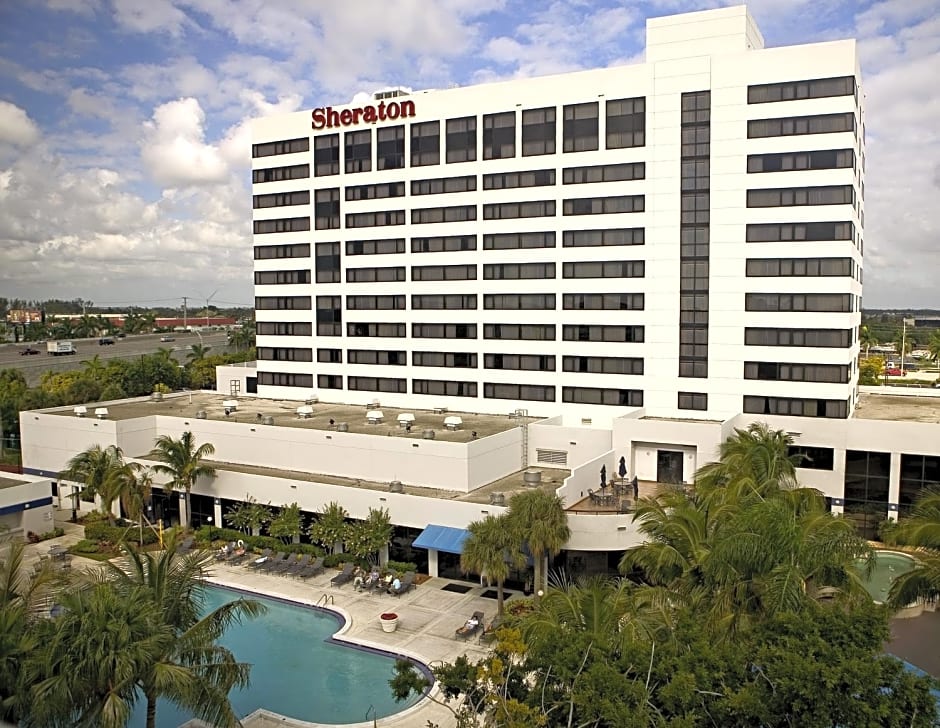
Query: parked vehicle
{"points": [[28, 351], [121, 334], [893, 372], [166, 339], [105, 341], [60, 348]]}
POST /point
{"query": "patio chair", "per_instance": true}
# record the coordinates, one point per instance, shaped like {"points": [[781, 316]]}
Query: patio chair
{"points": [[284, 565], [470, 627], [273, 563], [296, 565], [407, 582], [311, 569], [344, 576], [489, 632], [262, 559]]}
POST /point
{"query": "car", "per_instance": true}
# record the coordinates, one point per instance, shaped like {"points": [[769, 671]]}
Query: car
{"points": [[166, 339], [28, 351], [120, 334], [893, 372], [105, 341]]}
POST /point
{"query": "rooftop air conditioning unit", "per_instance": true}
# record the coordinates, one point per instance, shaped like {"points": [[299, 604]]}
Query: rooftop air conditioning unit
{"points": [[201, 414], [305, 411], [375, 417], [80, 411], [156, 396], [395, 487], [267, 420], [453, 422], [342, 427], [428, 434], [230, 404], [101, 413]]}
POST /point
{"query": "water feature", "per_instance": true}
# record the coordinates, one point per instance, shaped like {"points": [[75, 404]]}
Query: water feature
{"points": [[889, 565]]}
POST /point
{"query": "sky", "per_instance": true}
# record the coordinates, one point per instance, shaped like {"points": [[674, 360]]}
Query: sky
{"points": [[124, 124]]}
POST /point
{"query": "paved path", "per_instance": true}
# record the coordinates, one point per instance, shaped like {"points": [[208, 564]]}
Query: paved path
{"points": [[917, 641]]}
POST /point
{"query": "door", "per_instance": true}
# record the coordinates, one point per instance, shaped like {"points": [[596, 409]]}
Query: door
{"points": [[668, 466]]}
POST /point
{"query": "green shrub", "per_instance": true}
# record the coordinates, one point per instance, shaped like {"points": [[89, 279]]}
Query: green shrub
{"points": [[206, 536], [84, 546], [102, 531], [334, 560], [401, 566]]}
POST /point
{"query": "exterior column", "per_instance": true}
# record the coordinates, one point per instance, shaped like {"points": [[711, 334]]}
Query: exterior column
{"points": [[383, 555], [894, 486], [217, 513], [432, 562], [183, 515]]}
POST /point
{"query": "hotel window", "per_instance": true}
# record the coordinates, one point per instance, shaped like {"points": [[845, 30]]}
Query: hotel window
{"points": [[285, 328], [444, 244], [799, 231], [387, 246], [770, 371], [626, 123], [603, 302], [800, 125], [327, 262], [281, 277], [605, 269], [693, 401], [451, 360], [603, 365], [520, 301], [282, 303], [526, 392], [375, 275], [326, 155], [520, 362], [329, 381], [276, 379], [444, 301], [538, 131], [798, 161], [272, 252], [443, 185], [375, 192], [454, 213], [607, 397], [604, 205], [787, 267], [611, 334], [499, 135], [444, 388], [918, 472], [387, 331], [820, 338], [519, 332], [378, 384], [595, 238], [382, 358], [269, 353], [514, 180], [462, 139], [375, 303], [518, 241], [518, 271], [800, 196], [358, 151], [329, 316], [444, 272], [792, 90], [281, 225], [280, 174], [330, 356], [580, 129], [443, 331], [831, 408], [515, 210], [811, 302], [390, 147], [604, 173], [425, 144], [288, 146], [813, 458], [326, 209], [375, 219]]}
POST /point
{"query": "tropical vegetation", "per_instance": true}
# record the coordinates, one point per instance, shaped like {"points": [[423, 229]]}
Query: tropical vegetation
{"points": [[921, 530], [182, 461]]}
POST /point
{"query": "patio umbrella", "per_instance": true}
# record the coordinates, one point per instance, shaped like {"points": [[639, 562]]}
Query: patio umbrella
{"points": [[603, 476], [623, 467]]}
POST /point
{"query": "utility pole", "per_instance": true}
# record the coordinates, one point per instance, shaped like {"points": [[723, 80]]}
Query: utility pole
{"points": [[185, 298], [903, 342]]}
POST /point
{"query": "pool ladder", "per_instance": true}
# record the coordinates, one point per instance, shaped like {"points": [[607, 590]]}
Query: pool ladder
{"points": [[325, 599]]}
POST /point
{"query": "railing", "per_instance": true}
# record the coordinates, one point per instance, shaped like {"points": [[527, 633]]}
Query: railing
{"points": [[325, 599]]}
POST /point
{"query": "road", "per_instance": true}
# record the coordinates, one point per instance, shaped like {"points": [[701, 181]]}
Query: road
{"points": [[33, 367]]}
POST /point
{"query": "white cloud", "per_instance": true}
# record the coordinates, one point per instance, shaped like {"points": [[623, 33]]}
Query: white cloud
{"points": [[174, 148], [16, 127], [150, 16]]}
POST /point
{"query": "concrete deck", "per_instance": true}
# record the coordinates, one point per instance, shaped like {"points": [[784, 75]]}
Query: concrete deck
{"points": [[898, 407]]}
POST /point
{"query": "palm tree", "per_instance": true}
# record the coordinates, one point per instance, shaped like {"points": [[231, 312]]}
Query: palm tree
{"points": [[243, 336], [921, 529], [94, 368], [192, 671], [182, 461], [100, 471], [197, 352], [933, 346], [538, 518], [492, 549], [867, 339]]}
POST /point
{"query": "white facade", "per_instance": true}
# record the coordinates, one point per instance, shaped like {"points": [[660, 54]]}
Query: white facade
{"points": [[720, 52]]}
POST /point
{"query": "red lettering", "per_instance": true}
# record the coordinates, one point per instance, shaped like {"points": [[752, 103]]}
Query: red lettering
{"points": [[328, 118], [368, 115], [356, 115], [382, 116], [407, 109], [393, 110], [332, 117], [318, 119], [346, 117]]}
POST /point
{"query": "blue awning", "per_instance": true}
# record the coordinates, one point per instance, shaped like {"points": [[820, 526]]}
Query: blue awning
{"points": [[442, 538]]}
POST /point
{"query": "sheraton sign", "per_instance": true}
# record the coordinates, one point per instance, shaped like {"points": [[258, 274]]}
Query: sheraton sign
{"points": [[328, 118]]}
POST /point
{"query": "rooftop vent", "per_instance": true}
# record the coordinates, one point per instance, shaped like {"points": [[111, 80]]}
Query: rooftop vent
{"points": [[80, 411], [311, 400], [395, 487], [342, 427], [156, 396], [230, 404], [375, 417], [497, 499], [201, 414], [532, 477], [305, 411], [101, 413], [428, 434], [453, 422], [406, 419], [267, 420]]}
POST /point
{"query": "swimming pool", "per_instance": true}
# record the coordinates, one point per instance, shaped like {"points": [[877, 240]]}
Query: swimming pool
{"points": [[296, 670], [889, 565]]}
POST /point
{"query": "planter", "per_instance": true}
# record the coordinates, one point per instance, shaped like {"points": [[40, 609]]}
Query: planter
{"points": [[389, 621]]}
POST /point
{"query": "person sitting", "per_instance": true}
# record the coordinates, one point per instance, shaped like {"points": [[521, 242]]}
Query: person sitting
{"points": [[395, 586], [472, 623], [358, 578]]}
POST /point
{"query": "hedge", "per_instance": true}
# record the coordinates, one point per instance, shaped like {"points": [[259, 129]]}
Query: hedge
{"points": [[401, 566], [207, 535], [101, 531]]}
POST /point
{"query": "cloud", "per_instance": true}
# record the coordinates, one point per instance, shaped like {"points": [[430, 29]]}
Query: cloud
{"points": [[174, 148], [16, 127], [150, 16]]}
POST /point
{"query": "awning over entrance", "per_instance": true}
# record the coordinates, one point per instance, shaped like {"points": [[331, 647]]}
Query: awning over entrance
{"points": [[443, 538]]}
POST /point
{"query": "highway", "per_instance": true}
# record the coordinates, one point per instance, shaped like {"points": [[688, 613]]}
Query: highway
{"points": [[34, 366]]}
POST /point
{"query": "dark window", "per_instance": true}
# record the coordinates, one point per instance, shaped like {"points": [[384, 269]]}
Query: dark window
{"points": [[831, 408], [276, 379], [527, 392], [595, 238], [514, 180], [817, 88], [326, 155], [454, 213], [800, 125], [444, 244], [866, 489], [522, 362], [799, 231], [378, 384], [444, 301], [693, 401], [375, 303], [518, 271], [462, 139], [392, 274], [614, 334], [514, 210], [603, 301], [626, 123], [596, 395], [580, 126], [443, 185], [285, 328], [327, 262], [787, 267], [605, 269], [449, 359], [813, 458], [282, 225], [604, 205], [796, 161], [799, 196], [770, 371], [280, 174], [538, 131], [358, 151], [425, 144], [329, 316], [385, 246], [520, 301], [330, 381], [918, 472], [282, 303], [281, 277], [390, 147], [268, 353], [326, 209], [272, 252], [444, 272], [444, 388], [375, 192], [604, 173], [391, 331], [499, 135], [519, 332], [517, 241], [384, 358], [444, 331], [330, 356], [288, 146], [814, 302], [603, 365], [375, 219], [823, 338]]}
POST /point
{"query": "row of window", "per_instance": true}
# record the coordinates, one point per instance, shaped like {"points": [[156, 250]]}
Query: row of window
{"points": [[518, 332], [801, 125], [821, 338], [797, 161], [508, 302], [793, 372], [775, 232], [813, 302], [817, 88], [799, 196], [497, 271], [796, 407], [810, 267]]}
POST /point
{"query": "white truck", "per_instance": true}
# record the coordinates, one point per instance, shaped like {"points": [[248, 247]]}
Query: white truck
{"points": [[58, 348]]}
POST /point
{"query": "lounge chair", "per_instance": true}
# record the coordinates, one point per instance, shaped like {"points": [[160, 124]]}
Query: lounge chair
{"points": [[406, 582], [296, 565], [274, 562], [489, 633], [344, 576], [311, 569], [261, 560], [470, 627], [284, 565]]}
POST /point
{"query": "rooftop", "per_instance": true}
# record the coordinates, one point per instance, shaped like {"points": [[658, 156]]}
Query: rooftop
{"points": [[898, 407], [11, 483]]}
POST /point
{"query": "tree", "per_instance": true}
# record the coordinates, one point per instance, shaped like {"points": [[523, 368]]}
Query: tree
{"points": [[330, 528], [102, 473], [871, 371], [197, 352], [94, 368], [248, 516], [538, 518], [242, 337], [182, 461], [366, 538], [286, 524], [867, 339], [921, 529], [933, 347], [492, 549]]}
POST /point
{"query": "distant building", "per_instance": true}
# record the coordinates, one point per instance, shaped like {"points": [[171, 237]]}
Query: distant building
{"points": [[24, 316], [193, 322]]}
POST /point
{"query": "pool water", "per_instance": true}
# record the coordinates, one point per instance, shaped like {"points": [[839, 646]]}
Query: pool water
{"points": [[889, 565], [295, 672]]}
